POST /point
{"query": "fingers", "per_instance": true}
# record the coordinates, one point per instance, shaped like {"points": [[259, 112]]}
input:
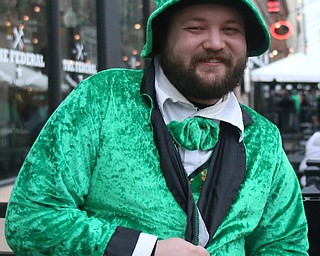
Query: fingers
{"points": [[179, 247]]}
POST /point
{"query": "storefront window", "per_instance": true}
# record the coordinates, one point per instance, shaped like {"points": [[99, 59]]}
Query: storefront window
{"points": [[23, 83], [79, 41], [23, 74], [132, 32], [24, 96]]}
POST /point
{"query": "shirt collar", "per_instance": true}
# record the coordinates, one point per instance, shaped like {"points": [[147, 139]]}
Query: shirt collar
{"points": [[169, 98]]}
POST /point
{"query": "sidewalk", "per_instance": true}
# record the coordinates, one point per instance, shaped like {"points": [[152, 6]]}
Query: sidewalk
{"points": [[5, 192]]}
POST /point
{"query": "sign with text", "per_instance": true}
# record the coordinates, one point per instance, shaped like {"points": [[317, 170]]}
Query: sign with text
{"points": [[78, 67], [18, 63]]}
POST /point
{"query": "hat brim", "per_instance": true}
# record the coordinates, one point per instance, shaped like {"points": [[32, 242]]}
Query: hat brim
{"points": [[257, 33]]}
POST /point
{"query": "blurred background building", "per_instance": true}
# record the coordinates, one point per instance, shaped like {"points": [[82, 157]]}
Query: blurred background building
{"points": [[285, 88], [48, 47]]}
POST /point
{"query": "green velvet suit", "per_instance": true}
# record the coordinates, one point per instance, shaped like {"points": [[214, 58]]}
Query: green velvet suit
{"points": [[95, 166]]}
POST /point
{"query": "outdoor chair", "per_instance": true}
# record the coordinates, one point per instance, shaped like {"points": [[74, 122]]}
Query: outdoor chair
{"points": [[311, 196], [3, 208]]}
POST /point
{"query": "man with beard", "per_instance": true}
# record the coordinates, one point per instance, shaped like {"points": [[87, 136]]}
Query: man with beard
{"points": [[180, 168]]}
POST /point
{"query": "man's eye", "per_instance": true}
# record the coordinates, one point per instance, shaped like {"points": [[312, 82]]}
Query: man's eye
{"points": [[232, 29], [194, 28]]}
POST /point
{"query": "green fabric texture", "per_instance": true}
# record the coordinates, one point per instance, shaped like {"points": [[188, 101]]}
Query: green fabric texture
{"points": [[258, 36], [95, 166], [194, 133]]}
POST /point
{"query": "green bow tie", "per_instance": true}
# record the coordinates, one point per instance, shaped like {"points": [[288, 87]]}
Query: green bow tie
{"points": [[194, 133]]}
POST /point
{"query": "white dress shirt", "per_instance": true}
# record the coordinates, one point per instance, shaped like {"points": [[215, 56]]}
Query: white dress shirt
{"points": [[174, 106]]}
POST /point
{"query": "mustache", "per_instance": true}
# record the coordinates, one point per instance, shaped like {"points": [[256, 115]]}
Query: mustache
{"points": [[210, 55]]}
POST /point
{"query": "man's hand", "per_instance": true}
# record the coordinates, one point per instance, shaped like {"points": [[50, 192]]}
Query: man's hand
{"points": [[179, 247]]}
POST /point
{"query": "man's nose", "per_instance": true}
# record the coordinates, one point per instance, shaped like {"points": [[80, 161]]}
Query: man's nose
{"points": [[214, 41]]}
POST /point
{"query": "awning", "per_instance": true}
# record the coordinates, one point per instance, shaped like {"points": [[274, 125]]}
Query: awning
{"points": [[299, 68], [25, 77]]}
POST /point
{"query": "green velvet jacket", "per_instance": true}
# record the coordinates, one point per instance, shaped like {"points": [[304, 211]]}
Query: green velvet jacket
{"points": [[95, 166]]}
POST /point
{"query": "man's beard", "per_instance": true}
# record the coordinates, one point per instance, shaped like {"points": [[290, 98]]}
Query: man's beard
{"points": [[193, 86]]}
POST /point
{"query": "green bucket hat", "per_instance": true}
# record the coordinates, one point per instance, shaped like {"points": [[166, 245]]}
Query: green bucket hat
{"points": [[257, 33]]}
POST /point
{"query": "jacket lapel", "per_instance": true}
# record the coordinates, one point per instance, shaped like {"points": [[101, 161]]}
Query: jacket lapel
{"points": [[226, 171]]}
